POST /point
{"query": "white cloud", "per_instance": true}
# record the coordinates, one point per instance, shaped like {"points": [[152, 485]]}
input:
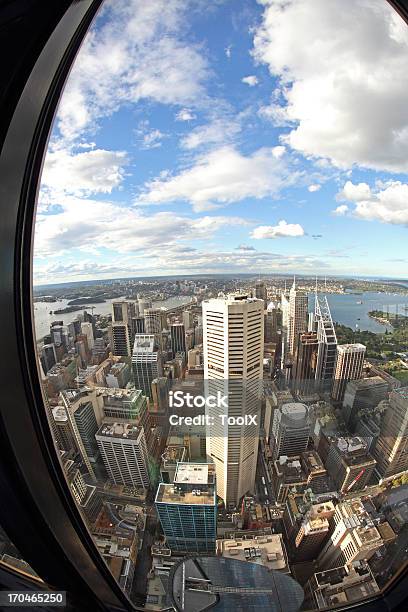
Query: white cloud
{"points": [[314, 187], [387, 202], [341, 210], [228, 51], [221, 177], [136, 52], [185, 114], [219, 130], [355, 193], [93, 171], [343, 79], [282, 230], [81, 224], [150, 138], [251, 80]]}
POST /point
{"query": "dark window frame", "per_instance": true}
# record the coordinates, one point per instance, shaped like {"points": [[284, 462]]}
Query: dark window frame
{"points": [[41, 39]]}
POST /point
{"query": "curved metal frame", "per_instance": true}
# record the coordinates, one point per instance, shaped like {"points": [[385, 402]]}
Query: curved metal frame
{"points": [[36, 506]]}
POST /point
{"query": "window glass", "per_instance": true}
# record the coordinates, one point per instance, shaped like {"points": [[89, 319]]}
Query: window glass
{"points": [[221, 298]]}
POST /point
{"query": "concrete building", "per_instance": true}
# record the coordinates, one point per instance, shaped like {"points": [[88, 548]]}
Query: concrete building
{"points": [[354, 538], [298, 313], [233, 367], [349, 463], [87, 330], [340, 586], [391, 448], [178, 339], [349, 366], [321, 322], [146, 363], [124, 453], [305, 364], [290, 429], [361, 396], [187, 509], [313, 531], [267, 550]]}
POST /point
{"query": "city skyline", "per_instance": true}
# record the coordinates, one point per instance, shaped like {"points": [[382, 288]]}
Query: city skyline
{"points": [[237, 166]]}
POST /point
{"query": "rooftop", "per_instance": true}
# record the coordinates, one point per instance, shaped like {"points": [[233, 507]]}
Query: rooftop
{"points": [[143, 343], [194, 473], [60, 414], [170, 494], [119, 430], [266, 550]]}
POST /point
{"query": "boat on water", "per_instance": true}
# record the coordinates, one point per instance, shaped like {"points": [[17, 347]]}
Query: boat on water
{"points": [[359, 302]]}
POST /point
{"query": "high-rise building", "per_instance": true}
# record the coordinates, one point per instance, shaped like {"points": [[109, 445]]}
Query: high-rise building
{"points": [[138, 325], [48, 357], [87, 427], [354, 538], [290, 429], [122, 333], [261, 292], [178, 339], [361, 396], [313, 531], [233, 366], [187, 508], [340, 586], [321, 322], [304, 371], [146, 363], [153, 320], [391, 448], [143, 304], [298, 314], [124, 453], [188, 319], [87, 330], [349, 366], [349, 463]]}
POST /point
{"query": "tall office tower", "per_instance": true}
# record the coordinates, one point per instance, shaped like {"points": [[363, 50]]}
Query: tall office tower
{"points": [[160, 393], [187, 509], [87, 427], [272, 321], [354, 538], [349, 366], [233, 365], [198, 335], [59, 334], [122, 336], [313, 531], [361, 397], [350, 464], [304, 371], [48, 357], [62, 430], [261, 292], [124, 453], [143, 304], [87, 330], [290, 430], [298, 313], [153, 320], [74, 328], [146, 363], [189, 339], [138, 325], [178, 338], [391, 448], [188, 319], [321, 322]]}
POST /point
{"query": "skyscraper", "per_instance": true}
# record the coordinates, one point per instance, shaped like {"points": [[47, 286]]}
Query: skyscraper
{"points": [[153, 318], [146, 363], [178, 338], [233, 362], [354, 538], [290, 429], [187, 508], [124, 453], [391, 448], [321, 322], [87, 330], [304, 371], [298, 313], [261, 292], [349, 366], [122, 333]]}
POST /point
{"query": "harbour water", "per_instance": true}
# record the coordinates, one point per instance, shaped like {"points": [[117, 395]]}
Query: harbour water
{"points": [[43, 317], [345, 308]]}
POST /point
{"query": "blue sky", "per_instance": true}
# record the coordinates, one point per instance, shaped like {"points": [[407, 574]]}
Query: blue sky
{"points": [[243, 136]]}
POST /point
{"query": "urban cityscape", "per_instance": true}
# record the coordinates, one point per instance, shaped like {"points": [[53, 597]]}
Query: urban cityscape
{"points": [[233, 427], [220, 301]]}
